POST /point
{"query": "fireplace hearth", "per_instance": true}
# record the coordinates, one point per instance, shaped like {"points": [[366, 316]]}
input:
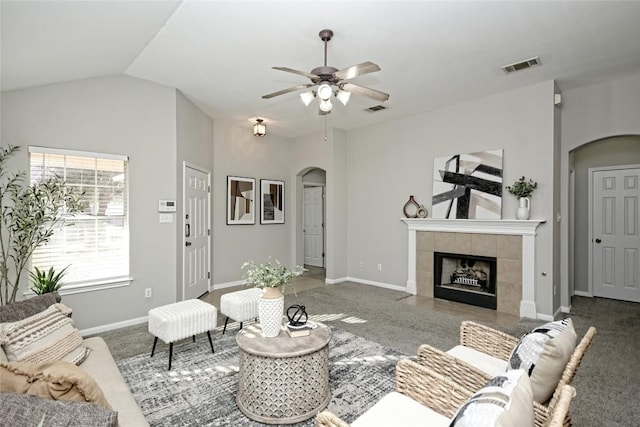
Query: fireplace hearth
{"points": [[469, 279]]}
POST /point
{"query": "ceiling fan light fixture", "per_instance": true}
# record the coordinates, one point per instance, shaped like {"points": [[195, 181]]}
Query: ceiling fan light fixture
{"points": [[307, 97], [325, 106], [260, 128], [343, 96], [325, 91]]}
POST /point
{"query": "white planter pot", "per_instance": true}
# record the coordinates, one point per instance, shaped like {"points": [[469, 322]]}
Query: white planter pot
{"points": [[270, 311], [523, 211]]}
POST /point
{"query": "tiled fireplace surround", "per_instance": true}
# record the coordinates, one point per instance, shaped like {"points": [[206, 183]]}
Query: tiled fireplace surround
{"points": [[511, 242]]}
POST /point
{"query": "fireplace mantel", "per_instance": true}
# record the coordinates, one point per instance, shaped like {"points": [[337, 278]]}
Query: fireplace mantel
{"points": [[524, 228]]}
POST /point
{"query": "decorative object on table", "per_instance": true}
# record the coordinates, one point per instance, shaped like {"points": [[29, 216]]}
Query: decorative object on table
{"points": [[271, 201], [297, 325], [44, 282], [523, 189], [410, 208], [271, 277], [468, 186], [241, 200], [422, 212]]}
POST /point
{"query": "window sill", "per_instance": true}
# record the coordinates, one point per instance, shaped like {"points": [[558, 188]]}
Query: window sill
{"points": [[98, 285]]}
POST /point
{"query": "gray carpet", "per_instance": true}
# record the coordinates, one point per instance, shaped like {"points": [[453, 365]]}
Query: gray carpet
{"points": [[607, 388], [200, 389]]}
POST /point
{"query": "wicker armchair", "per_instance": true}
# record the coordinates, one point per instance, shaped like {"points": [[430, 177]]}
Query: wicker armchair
{"points": [[439, 394], [498, 345]]}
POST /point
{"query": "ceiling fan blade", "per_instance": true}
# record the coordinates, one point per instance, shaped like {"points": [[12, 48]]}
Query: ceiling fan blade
{"points": [[287, 90], [302, 73], [361, 90], [357, 70]]}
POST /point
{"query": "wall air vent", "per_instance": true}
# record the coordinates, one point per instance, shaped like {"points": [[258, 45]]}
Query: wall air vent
{"points": [[522, 65], [375, 108]]}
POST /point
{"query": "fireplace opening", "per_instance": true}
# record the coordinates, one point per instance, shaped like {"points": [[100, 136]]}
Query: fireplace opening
{"points": [[463, 278]]}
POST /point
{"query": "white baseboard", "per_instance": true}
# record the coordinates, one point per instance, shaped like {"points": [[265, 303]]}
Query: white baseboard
{"points": [[583, 294], [565, 309], [334, 281], [378, 284], [228, 284], [112, 326], [545, 317]]}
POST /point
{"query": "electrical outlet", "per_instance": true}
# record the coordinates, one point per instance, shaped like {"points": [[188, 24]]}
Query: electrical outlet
{"points": [[379, 267], [147, 293]]}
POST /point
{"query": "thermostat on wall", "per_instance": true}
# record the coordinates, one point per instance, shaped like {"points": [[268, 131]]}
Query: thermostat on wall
{"points": [[166, 205]]}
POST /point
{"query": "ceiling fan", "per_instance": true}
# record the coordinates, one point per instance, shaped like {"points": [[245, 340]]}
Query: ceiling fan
{"points": [[331, 81]]}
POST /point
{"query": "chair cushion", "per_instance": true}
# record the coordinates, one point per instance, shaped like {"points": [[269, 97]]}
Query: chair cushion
{"points": [[396, 409], [544, 353], [53, 380], [45, 336], [486, 363], [505, 401]]}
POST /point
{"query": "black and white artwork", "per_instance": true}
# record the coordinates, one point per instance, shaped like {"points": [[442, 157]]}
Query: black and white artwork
{"points": [[468, 186], [240, 200], [272, 201]]}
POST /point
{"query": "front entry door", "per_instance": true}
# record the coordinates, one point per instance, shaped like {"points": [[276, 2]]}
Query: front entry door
{"points": [[196, 237], [615, 236], [313, 226]]}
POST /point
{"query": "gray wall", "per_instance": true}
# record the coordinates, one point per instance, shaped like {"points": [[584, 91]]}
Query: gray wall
{"points": [[623, 150], [237, 152], [389, 161], [194, 143], [119, 115], [591, 113]]}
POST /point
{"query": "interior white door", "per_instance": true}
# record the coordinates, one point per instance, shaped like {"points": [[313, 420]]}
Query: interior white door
{"points": [[313, 226], [197, 242], [615, 235]]}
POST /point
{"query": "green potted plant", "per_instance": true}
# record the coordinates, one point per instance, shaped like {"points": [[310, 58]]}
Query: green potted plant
{"points": [[523, 189], [43, 282], [270, 277]]}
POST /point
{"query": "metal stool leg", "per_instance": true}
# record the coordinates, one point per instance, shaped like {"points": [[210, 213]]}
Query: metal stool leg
{"points": [[170, 354], [194, 338], [153, 350], [210, 342], [225, 325], [240, 325]]}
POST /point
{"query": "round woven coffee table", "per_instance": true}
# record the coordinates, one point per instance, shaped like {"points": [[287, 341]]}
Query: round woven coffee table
{"points": [[283, 380]]}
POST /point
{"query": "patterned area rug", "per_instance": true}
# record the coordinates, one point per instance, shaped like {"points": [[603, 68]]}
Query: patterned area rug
{"points": [[200, 389]]}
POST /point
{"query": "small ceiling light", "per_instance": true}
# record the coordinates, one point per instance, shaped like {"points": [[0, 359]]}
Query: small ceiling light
{"points": [[325, 91], [325, 106], [259, 129], [307, 97], [343, 96]]}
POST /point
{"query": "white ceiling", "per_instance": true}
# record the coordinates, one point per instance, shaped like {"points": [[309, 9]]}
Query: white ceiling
{"points": [[220, 53]]}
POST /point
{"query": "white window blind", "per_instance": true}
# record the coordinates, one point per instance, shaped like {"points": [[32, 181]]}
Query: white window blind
{"points": [[93, 243]]}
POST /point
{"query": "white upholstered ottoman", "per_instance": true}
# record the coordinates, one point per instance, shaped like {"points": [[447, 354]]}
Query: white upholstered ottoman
{"points": [[240, 305], [180, 320]]}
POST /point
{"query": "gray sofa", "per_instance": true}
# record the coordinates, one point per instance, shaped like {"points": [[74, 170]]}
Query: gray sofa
{"points": [[99, 364]]}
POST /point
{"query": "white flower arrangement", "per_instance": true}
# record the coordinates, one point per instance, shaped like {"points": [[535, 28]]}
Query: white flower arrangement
{"points": [[269, 275]]}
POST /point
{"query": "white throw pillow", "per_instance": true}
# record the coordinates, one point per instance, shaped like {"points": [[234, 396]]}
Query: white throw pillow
{"points": [[505, 401], [544, 353]]}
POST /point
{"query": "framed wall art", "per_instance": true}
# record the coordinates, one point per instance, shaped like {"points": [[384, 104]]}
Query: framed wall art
{"points": [[468, 186], [241, 200], [271, 201]]}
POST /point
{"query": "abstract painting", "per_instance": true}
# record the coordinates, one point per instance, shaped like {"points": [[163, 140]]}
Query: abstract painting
{"points": [[241, 200], [468, 186], [271, 202]]}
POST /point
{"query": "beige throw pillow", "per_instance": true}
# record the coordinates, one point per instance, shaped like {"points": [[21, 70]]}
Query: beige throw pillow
{"points": [[45, 336], [52, 380], [544, 353], [505, 401]]}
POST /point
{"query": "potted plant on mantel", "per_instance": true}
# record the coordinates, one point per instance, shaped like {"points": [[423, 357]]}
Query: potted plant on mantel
{"points": [[270, 277], [523, 189]]}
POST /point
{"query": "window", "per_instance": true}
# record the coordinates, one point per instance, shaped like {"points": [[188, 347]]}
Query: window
{"points": [[94, 243]]}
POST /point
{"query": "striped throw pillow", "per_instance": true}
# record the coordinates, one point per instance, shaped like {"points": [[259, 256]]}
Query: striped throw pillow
{"points": [[43, 337]]}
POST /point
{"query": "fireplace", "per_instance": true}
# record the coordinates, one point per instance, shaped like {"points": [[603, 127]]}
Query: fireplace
{"points": [[469, 279]]}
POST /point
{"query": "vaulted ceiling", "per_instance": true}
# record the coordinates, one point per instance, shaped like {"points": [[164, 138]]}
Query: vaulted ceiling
{"points": [[220, 53]]}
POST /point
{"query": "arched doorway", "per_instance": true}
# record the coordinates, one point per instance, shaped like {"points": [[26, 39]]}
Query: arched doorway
{"points": [[601, 155]]}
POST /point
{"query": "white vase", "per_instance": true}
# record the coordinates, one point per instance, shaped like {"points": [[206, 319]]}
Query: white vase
{"points": [[270, 311], [523, 211]]}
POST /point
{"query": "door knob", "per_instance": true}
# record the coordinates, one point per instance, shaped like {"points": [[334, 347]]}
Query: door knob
{"points": [[187, 243], [598, 241]]}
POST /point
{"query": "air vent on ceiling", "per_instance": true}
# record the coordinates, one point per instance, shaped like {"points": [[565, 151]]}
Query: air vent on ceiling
{"points": [[376, 108], [522, 65]]}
